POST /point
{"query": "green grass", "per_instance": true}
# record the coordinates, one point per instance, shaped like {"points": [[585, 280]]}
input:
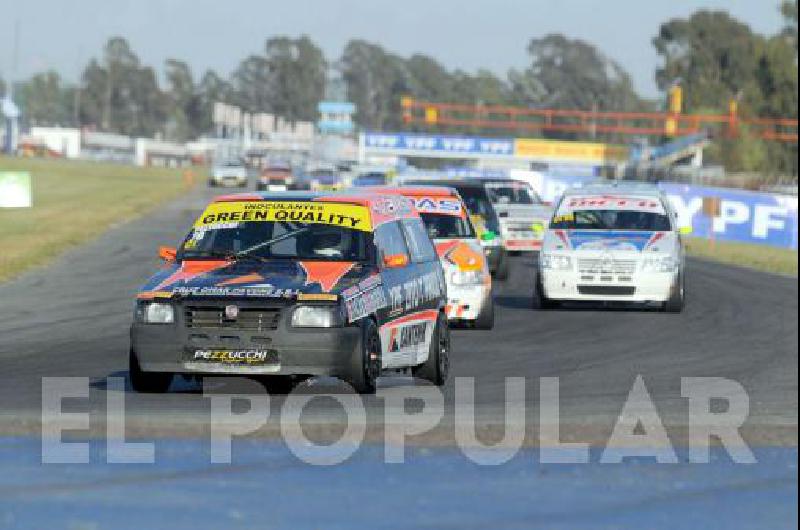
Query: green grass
{"points": [[74, 202], [760, 257]]}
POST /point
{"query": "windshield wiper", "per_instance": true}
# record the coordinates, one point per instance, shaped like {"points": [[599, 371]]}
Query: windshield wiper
{"points": [[232, 256], [247, 252]]}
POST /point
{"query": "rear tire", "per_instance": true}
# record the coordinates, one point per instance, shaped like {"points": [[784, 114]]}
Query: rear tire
{"points": [[678, 298], [502, 267], [147, 382], [365, 366], [437, 367], [485, 319]]}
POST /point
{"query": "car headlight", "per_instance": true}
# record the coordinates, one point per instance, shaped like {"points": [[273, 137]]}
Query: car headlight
{"points": [[661, 264], [555, 262], [157, 313], [467, 277], [309, 316]]}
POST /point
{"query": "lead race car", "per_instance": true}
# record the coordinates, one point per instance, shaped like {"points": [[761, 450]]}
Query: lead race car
{"points": [[295, 285], [613, 243], [469, 281]]}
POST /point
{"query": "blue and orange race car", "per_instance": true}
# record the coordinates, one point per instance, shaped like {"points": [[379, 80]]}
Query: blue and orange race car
{"points": [[293, 285]]}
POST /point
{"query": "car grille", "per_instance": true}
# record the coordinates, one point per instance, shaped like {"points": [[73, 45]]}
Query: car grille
{"points": [[606, 290], [602, 266], [249, 318]]}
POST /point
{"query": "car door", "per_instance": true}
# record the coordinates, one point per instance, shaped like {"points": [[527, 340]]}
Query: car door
{"points": [[396, 270], [425, 292]]}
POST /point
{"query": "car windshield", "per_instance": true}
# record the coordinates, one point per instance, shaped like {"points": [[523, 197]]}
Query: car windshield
{"points": [[512, 193], [278, 240], [447, 226], [611, 220]]}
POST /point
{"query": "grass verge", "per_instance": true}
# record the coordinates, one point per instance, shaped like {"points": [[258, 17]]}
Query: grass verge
{"points": [[759, 257], [74, 202]]}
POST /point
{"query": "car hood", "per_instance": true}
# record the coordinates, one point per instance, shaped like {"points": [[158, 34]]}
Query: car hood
{"points": [[271, 279], [609, 240]]}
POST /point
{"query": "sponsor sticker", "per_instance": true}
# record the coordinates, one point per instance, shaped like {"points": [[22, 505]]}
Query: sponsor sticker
{"points": [[439, 206], [267, 291], [229, 214], [236, 357], [365, 303]]}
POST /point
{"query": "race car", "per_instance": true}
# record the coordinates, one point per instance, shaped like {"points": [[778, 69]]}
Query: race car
{"points": [[612, 243], [228, 173], [293, 285], [482, 214], [522, 214], [275, 178], [469, 281]]}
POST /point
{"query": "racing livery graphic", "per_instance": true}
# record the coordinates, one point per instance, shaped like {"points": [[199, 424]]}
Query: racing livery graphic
{"points": [[340, 285]]}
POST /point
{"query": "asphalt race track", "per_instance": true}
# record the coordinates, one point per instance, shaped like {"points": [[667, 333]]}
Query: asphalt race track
{"points": [[72, 318]]}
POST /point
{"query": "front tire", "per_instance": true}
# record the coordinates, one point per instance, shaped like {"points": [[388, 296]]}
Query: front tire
{"points": [[540, 300], [147, 382], [437, 367], [365, 366], [485, 319], [678, 298]]}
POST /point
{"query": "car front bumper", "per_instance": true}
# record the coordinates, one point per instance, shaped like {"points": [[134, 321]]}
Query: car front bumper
{"points": [[641, 287], [465, 303], [292, 351]]}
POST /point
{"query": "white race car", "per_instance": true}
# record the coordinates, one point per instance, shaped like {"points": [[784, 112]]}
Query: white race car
{"points": [[228, 173], [612, 243]]}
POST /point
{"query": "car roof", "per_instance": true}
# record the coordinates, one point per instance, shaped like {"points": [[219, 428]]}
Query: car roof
{"points": [[371, 200], [639, 189], [450, 183], [415, 191]]}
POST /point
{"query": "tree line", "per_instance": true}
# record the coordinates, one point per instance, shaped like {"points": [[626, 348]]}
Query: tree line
{"points": [[711, 54]]}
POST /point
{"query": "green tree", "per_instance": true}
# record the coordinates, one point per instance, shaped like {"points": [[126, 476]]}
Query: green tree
{"points": [[183, 101], [376, 80], [789, 11], [211, 89], [46, 100], [118, 94], [572, 74], [712, 55], [297, 72]]}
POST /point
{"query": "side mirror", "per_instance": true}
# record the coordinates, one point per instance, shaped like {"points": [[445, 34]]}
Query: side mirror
{"points": [[685, 230], [488, 235], [168, 254], [395, 261]]}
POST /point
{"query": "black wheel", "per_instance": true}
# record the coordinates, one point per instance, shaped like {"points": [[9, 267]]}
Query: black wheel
{"points": [[502, 267], [365, 366], [485, 319], [437, 367], [540, 300], [280, 384], [147, 382], [678, 298]]}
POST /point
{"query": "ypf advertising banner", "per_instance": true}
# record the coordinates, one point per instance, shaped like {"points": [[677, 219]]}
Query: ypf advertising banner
{"points": [[746, 216], [15, 189]]}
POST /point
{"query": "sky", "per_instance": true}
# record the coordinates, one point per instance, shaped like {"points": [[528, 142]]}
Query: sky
{"points": [[467, 34]]}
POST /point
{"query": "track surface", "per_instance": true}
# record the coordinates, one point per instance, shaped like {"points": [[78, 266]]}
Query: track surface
{"points": [[71, 319]]}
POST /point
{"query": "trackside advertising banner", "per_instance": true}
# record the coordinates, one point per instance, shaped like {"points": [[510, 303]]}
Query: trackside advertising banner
{"points": [[746, 216], [401, 143]]}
